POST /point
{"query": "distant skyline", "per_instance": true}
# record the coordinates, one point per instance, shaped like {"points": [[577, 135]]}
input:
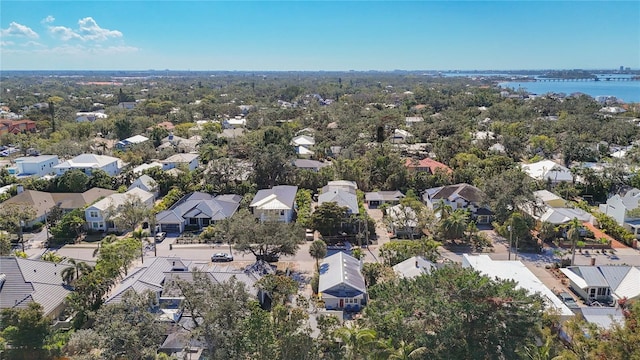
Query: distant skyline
{"points": [[318, 35]]}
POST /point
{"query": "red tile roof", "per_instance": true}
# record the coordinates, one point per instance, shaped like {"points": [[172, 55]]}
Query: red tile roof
{"points": [[427, 163]]}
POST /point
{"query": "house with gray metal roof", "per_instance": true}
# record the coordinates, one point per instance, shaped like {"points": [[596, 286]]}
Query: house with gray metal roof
{"points": [[156, 276], [277, 203], [197, 210], [604, 283], [341, 195], [341, 284], [23, 281]]}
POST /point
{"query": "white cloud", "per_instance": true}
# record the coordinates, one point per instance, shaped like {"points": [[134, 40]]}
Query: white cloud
{"points": [[6, 43], [19, 30], [49, 19], [88, 30], [32, 44], [64, 33]]}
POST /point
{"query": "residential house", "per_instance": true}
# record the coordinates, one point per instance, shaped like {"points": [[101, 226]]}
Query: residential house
{"points": [[524, 278], [410, 121], [91, 116], [340, 196], [345, 185], [548, 207], [303, 145], [312, 165], [427, 165], [413, 267], [403, 221], [604, 283], [189, 160], [98, 215], [141, 168], [156, 276], [43, 202], [460, 196], [127, 105], [237, 122], [167, 125], [23, 281], [400, 136], [128, 142], [341, 285], [197, 210], [180, 144], [377, 198], [90, 162], [36, 166], [619, 207], [17, 126], [146, 183], [277, 203], [548, 171], [603, 317]]}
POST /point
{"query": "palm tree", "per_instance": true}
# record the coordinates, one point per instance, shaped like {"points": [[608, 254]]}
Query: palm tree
{"points": [[318, 250], [573, 235], [443, 209], [407, 352], [355, 340], [140, 235], [72, 273], [454, 225]]}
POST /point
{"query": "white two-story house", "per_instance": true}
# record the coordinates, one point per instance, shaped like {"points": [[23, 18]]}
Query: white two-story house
{"points": [[97, 215], [277, 203], [36, 166], [174, 161], [90, 162], [619, 207]]}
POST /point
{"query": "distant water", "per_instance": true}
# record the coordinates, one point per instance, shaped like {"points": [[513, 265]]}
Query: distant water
{"points": [[627, 91]]}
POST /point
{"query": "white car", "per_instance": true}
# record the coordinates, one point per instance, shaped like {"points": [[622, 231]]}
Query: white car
{"points": [[221, 257]]}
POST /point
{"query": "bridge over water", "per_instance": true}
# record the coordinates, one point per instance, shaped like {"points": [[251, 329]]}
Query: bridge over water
{"points": [[608, 78]]}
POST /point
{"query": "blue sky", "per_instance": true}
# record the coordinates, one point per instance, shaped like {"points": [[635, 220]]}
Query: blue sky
{"points": [[318, 35]]}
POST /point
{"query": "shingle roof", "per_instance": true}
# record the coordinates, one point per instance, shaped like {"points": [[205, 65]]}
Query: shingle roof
{"points": [[201, 205], [427, 163], [117, 199], [180, 158], [452, 192]]}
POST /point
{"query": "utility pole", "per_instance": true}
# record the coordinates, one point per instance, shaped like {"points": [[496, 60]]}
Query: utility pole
{"points": [[510, 240]]}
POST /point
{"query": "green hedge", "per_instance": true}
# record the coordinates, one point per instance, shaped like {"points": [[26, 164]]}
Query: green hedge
{"points": [[611, 228]]}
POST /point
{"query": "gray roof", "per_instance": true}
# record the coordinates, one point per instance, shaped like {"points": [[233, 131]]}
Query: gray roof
{"points": [[145, 182], [614, 275], [451, 192], [154, 276], [286, 194], [604, 317], [413, 267], [591, 275], [342, 198], [339, 270], [383, 196], [27, 280], [310, 164], [201, 205], [148, 277]]}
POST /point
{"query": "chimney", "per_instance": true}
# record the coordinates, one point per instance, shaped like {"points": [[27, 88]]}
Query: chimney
{"points": [[19, 189], [171, 136], [417, 264]]}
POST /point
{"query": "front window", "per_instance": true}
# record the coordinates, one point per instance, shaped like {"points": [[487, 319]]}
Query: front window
{"points": [[93, 214]]}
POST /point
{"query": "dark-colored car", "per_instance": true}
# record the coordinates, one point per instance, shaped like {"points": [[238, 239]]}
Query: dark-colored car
{"points": [[221, 257], [568, 300]]}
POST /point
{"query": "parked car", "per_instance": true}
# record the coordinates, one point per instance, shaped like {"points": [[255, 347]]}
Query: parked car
{"points": [[268, 258], [161, 236], [568, 300], [221, 257], [309, 235]]}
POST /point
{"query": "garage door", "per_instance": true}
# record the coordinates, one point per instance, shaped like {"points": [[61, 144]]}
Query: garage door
{"points": [[170, 228]]}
